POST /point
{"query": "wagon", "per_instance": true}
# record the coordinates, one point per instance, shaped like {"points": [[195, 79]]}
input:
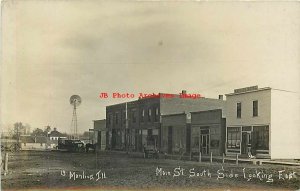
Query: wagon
{"points": [[14, 147], [70, 145], [150, 152]]}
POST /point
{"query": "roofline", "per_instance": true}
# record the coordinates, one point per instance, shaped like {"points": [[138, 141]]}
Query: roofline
{"points": [[284, 90], [117, 104], [260, 89], [172, 114], [148, 98], [206, 110], [99, 120]]}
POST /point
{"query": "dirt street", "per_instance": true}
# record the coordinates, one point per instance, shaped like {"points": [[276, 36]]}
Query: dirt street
{"points": [[112, 170]]}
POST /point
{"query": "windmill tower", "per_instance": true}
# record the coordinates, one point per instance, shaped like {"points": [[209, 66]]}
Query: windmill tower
{"points": [[75, 101]]}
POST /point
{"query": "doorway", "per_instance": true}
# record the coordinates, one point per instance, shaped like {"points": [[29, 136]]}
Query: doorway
{"points": [[204, 140], [99, 140], [246, 142]]}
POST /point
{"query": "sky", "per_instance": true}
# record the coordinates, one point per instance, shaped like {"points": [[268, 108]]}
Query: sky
{"points": [[54, 49]]}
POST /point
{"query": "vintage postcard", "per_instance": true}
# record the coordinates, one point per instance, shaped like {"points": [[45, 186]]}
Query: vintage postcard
{"points": [[150, 95]]}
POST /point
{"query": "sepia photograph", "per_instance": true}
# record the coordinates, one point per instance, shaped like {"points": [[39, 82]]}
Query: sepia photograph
{"points": [[150, 95]]}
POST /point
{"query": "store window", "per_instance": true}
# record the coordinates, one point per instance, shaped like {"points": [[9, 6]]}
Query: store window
{"points": [[260, 138], [233, 137], [195, 138]]}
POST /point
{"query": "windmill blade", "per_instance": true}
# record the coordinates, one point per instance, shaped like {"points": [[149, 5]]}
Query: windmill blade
{"points": [[75, 100]]}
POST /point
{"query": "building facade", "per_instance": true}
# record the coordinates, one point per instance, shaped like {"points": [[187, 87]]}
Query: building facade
{"points": [[175, 133], [208, 132], [28, 142], [98, 134], [55, 135], [133, 125], [263, 122], [260, 122]]}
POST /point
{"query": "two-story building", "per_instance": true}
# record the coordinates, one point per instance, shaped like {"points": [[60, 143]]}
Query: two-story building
{"points": [[263, 122], [117, 126], [138, 123]]}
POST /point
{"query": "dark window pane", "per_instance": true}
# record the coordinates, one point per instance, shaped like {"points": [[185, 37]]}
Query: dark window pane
{"points": [[255, 108], [260, 138], [134, 117], [117, 118], [149, 115], [124, 117], [246, 128], [142, 115], [156, 116], [239, 110]]}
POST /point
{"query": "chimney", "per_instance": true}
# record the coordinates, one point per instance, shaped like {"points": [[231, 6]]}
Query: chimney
{"points": [[183, 91], [221, 97], [55, 129]]}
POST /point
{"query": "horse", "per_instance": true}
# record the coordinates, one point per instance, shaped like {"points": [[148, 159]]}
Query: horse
{"points": [[90, 145]]}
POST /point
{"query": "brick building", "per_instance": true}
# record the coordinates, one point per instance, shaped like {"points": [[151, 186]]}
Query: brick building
{"points": [[132, 125]]}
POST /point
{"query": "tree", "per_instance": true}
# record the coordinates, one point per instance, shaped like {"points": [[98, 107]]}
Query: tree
{"points": [[37, 132], [47, 130], [18, 130], [86, 134]]}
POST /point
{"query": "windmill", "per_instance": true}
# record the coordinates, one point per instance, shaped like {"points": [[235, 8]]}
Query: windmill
{"points": [[75, 101]]}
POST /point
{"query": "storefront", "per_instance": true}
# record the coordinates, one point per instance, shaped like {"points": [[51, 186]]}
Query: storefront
{"points": [[208, 132], [174, 139], [146, 137], [248, 141], [200, 140], [118, 139], [175, 133]]}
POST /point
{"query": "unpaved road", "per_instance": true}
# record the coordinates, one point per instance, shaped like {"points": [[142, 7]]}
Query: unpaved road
{"points": [[112, 170]]}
